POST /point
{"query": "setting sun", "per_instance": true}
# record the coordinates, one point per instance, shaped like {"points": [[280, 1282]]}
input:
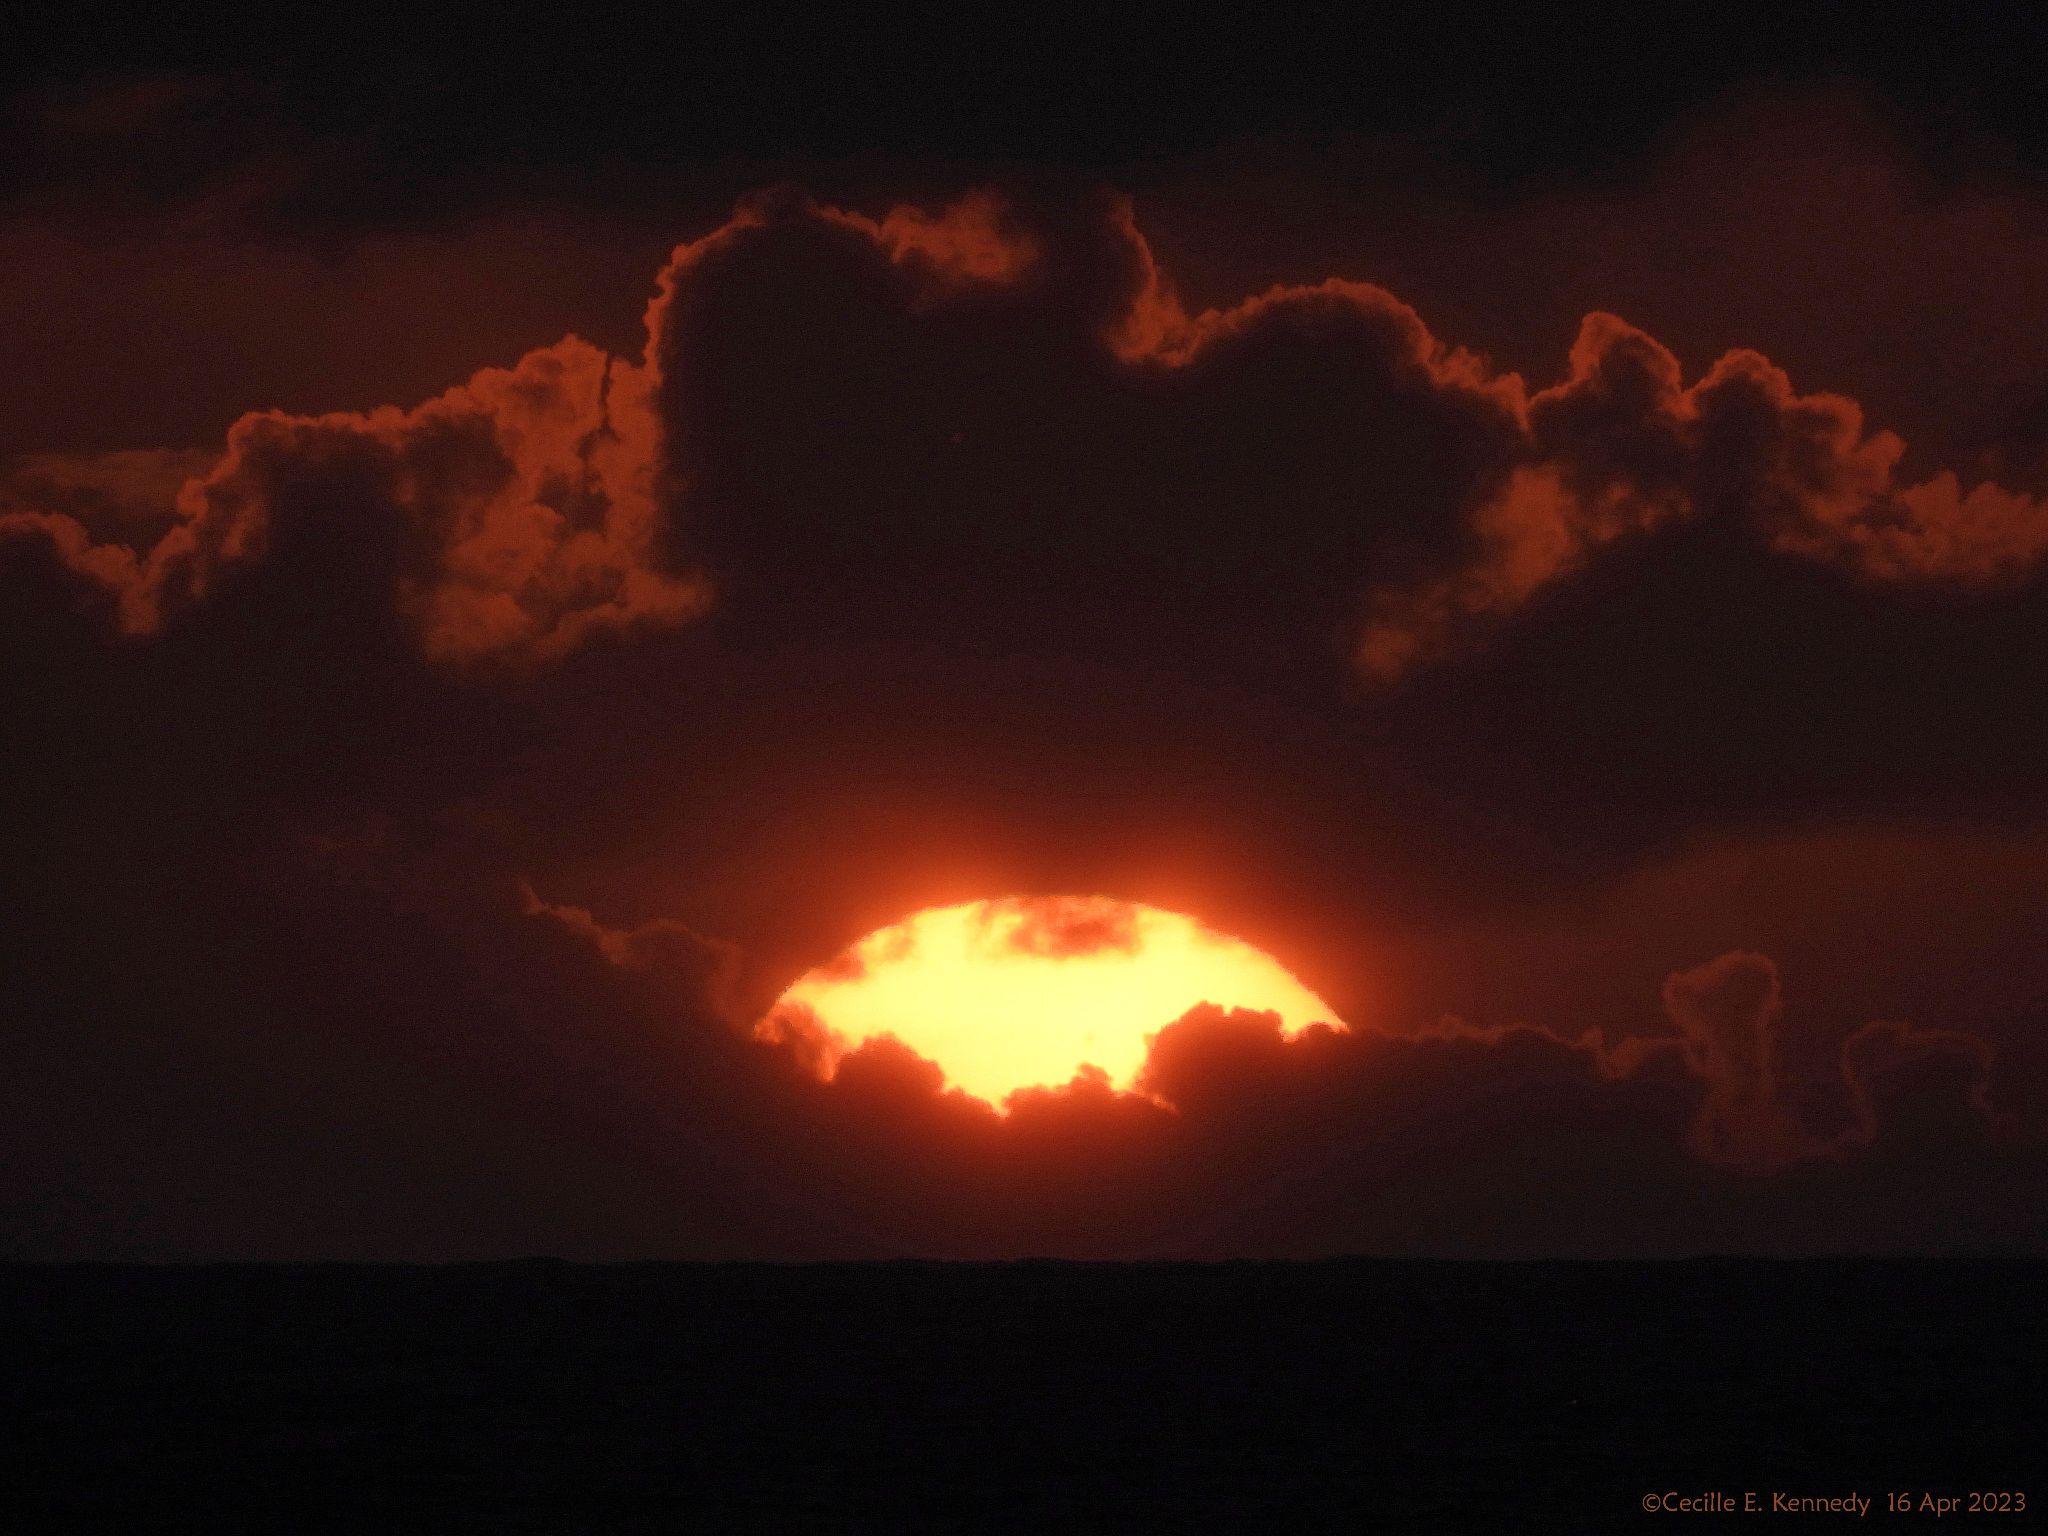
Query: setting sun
{"points": [[1026, 991]]}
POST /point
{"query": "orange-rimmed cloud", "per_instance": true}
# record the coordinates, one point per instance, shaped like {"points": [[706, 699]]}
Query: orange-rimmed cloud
{"points": [[540, 510], [1727, 1014], [1621, 447], [1232, 1066], [531, 494]]}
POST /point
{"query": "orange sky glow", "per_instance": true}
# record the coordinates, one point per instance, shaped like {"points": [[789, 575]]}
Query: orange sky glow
{"points": [[1026, 991]]}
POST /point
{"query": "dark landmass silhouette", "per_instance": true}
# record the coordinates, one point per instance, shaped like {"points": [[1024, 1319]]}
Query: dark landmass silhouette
{"points": [[1381, 1395]]}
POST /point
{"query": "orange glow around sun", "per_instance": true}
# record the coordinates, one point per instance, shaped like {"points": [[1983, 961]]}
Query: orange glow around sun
{"points": [[1026, 991]]}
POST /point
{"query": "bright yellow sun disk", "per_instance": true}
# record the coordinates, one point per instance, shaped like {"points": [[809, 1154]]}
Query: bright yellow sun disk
{"points": [[1009, 994]]}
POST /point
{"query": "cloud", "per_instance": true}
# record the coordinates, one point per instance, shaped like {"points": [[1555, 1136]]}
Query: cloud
{"points": [[1884, 1057], [1228, 1068], [434, 1062], [1353, 412], [973, 241], [542, 505], [1060, 926], [527, 495], [1727, 1013], [705, 966], [1621, 447]]}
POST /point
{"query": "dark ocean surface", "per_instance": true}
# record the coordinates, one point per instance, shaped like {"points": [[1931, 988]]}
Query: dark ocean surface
{"points": [[1361, 1395]]}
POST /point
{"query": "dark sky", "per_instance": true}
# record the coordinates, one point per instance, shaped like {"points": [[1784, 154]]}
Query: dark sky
{"points": [[1541, 531]]}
